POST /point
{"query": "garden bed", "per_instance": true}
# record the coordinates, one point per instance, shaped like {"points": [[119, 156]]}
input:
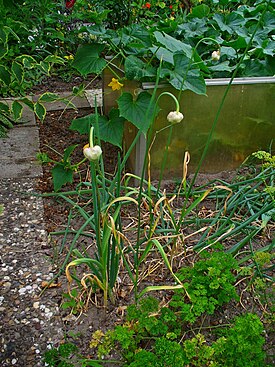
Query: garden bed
{"points": [[81, 322]]}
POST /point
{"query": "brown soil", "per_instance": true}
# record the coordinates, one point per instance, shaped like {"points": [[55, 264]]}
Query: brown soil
{"points": [[55, 84], [56, 136]]}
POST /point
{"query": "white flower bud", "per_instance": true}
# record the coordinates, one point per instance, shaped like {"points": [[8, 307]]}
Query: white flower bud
{"points": [[174, 117], [216, 55], [93, 153]]}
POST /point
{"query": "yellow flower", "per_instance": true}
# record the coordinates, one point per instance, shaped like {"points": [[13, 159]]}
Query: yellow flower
{"points": [[115, 84], [69, 57]]}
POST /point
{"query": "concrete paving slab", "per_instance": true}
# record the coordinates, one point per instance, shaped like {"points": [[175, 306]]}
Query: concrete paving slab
{"points": [[22, 142], [92, 94], [88, 100], [20, 169], [18, 152]]}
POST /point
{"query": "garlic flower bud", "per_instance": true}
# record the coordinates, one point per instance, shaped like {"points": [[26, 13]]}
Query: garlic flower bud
{"points": [[216, 55], [174, 117], [92, 153]]}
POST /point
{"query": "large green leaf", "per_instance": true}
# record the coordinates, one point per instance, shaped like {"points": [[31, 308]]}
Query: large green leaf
{"points": [[222, 66], [269, 48], [136, 69], [139, 111], [229, 23], [88, 60], [254, 68], [269, 22], [237, 44], [83, 124], [110, 130], [163, 54], [270, 65], [200, 11], [61, 176], [172, 44], [186, 76], [197, 27]]}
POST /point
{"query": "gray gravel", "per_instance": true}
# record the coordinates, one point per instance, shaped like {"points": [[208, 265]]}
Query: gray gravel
{"points": [[30, 323]]}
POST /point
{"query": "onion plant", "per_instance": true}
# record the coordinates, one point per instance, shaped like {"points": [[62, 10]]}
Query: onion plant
{"points": [[159, 229]]}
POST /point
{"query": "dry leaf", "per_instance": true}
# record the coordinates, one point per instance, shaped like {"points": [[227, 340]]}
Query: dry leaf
{"points": [[46, 284]]}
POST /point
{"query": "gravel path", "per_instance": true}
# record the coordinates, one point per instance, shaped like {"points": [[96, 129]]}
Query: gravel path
{"points": [[29, 322]]}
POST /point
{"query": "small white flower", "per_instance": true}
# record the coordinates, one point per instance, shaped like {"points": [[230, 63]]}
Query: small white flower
{"points": [[216, 55], [92, 153], [175, 117]]}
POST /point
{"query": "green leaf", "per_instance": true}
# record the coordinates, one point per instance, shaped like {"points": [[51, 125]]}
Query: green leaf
{"points": [[48, 97], [269, 22], [237, 44], [111, 130], [254, 68], [17, 109], [200, 11], [192, 81], [3, 43], [229, 52], [28, 103], [61, 176], [229, 23], [5, 76], [137, 111], [270, 65], [222, 66], [83, 124], [28, 61], [17, 71], [3, 35], [44, 67], [6, 121], [163, 54], [172, 44], [4, 108], [269, 48], [54, 59], [136, 69], [40, 110], [87, 59]]}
